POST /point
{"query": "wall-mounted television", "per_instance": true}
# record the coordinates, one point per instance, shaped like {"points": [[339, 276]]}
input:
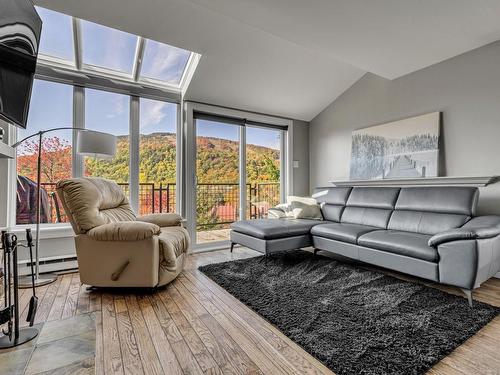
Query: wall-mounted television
{"points": [[20, 29]]}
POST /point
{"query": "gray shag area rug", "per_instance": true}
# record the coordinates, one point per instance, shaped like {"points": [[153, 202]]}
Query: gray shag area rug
{"points": [[354, 320]]}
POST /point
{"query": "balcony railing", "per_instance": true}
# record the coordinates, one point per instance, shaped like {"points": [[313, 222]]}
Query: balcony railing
{"points": [[217, 203]]}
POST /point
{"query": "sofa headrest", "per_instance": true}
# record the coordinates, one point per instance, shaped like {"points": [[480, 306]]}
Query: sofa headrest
{"points": [[91, 201], [373, 197], [439, 199], [332, 195]]}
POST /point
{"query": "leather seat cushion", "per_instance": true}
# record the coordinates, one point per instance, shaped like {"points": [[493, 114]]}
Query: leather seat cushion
{"points": [[413, 245], [270, 229], [342, 231]]}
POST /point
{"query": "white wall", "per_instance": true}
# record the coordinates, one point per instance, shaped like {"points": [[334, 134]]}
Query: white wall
{"points": [[466, 89]]}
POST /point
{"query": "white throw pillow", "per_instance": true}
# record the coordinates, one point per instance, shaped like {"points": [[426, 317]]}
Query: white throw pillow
{"points": [[304, 208]]}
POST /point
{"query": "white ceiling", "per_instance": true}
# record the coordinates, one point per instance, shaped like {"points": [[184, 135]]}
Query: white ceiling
{"points": [[293, 57]]}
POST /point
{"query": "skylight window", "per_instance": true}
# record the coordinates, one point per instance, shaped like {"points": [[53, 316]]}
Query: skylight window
{"points": [[163, 62], [108, 48], [102, 51], [57, 35]]}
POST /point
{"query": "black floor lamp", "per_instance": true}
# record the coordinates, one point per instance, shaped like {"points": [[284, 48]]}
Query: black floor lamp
{"points": [[88, 143]]}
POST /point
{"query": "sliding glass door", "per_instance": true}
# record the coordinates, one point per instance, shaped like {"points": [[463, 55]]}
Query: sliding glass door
{"points": [[217, 179], [238, 174], [263, 170]]}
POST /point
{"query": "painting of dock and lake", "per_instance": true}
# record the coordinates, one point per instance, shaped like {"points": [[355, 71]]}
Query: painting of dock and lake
{"points": [[406, 148]]}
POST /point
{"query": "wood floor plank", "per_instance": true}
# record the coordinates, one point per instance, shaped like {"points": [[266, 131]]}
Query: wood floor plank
{"points": [[162, 346], [112, 356], [45, 305], [131, 359], [62, 293], [83, 304], [99, 350], [150, 360], [218, 349], [239, 359], [263, 355], [183, 334], [72, 297], [95, 300]]}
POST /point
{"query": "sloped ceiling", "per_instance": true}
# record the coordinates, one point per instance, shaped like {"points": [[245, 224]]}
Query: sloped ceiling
{"points": [[293, 57]]}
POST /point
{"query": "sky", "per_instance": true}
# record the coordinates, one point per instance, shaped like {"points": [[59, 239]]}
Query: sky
{"points": [[52, 106], [110, 48]]}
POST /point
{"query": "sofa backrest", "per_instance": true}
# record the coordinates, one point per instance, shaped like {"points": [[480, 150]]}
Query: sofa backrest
{"points": [[332, 201], [430, 210], [371, 206]]}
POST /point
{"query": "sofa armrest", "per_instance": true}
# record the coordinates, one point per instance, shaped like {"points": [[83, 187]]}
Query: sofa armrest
{"points": [[481, 227], [162, 220], [124, 231]]}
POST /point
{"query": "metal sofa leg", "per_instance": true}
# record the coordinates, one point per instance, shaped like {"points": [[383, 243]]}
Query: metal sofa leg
{"points": [[232, 247], [468, 293], [315, 251]]}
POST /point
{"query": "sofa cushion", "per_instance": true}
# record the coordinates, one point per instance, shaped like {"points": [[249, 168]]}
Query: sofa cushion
{"points": [[425, 222], [332, 201], [370, 206], [341, 232], [269, 229], [374, 197], [445, 200], [413, 245]]}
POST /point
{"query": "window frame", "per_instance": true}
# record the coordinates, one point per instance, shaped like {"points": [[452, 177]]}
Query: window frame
{"points": [[78, 122], [188, 207], [78, 66]]}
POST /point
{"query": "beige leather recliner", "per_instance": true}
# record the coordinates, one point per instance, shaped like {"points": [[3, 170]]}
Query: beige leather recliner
{"points": [[114, 247]]}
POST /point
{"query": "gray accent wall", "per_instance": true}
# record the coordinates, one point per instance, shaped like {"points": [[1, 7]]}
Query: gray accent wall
{"points": [[301, 154], [465, 88]]}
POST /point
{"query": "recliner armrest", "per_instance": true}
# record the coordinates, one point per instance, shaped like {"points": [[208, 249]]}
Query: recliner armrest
{"points": [[481, 227], [124, 231], [162, 220]]}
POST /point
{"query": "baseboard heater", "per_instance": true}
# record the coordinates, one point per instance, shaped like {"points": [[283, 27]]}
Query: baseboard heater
{"points": [[50, 265]]}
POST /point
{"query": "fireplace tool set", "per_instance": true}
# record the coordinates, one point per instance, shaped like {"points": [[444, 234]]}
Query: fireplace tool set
{"points": [[9, 313]]}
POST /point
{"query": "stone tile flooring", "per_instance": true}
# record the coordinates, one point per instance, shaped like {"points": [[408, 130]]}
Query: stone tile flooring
{"points": [[63, 347]]}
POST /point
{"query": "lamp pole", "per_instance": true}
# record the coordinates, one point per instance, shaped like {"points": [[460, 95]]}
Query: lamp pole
{"points": [[26, 281]]}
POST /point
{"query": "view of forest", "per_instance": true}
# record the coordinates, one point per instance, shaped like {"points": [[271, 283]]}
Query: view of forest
{"points": [[217, 163]]}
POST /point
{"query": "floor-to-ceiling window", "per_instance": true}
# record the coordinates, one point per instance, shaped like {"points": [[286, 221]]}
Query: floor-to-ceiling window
{"points": [[109, 112], [157, 156], [56, 151]]}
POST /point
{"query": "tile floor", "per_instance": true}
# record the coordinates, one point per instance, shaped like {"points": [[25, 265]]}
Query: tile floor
{"points": [[63, 347]]}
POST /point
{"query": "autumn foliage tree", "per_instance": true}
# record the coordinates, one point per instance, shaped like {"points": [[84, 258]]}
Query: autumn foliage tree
{"points": [[56, 157]]}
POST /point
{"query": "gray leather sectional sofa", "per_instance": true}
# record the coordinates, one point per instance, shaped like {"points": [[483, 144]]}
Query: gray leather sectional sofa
{"points": [[429, 232]]}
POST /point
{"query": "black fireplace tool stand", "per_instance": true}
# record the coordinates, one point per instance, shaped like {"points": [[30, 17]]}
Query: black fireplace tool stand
{"points": [[9, 314]]}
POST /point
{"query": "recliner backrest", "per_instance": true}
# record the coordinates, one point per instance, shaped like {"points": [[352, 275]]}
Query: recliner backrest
{"points": [[370, 206], [430, 210], [332, 201], [91, 201]]}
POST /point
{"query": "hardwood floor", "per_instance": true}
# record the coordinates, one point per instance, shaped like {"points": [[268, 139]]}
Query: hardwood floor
{"points": [[195, 327]]}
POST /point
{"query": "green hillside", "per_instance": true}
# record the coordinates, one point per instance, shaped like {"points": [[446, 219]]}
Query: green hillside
{"points": [[217, 161]]}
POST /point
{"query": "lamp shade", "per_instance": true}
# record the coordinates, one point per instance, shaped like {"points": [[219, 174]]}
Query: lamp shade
{"points": [[96, 144]]}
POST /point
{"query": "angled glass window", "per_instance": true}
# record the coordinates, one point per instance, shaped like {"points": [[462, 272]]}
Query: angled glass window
{"points": [[108, 48], [57, 35], [163, 62]]}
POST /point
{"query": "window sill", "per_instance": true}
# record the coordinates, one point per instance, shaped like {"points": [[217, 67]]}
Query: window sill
{"points": [[47, 231]]}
